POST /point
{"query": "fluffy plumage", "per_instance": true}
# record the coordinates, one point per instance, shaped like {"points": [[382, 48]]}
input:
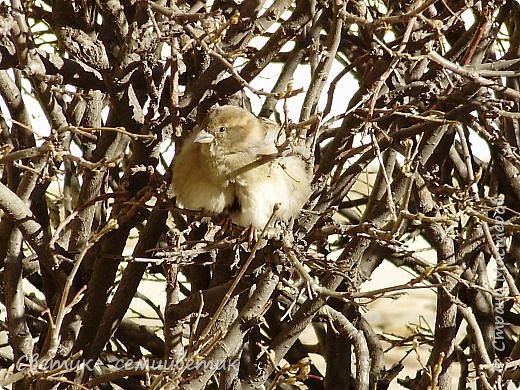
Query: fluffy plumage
{"points": [[205, 173]]}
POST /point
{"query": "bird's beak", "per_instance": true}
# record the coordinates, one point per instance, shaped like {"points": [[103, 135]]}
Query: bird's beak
{"points": [[204, 137]]}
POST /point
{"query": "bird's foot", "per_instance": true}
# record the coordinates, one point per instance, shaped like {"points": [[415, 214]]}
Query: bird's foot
{"points": [[251, 234], [226, 226]]}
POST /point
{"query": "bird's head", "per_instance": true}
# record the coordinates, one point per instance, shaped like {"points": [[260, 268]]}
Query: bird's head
{"points": [[228, 130]]}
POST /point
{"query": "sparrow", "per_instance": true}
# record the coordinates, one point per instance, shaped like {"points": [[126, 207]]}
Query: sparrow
{"points": [[222, 168]]}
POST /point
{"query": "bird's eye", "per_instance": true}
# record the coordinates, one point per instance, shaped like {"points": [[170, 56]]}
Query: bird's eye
{"points": [[222, 129]]}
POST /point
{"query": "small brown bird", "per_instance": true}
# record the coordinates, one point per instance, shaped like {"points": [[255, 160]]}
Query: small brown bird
{"points": [[215, 170]]}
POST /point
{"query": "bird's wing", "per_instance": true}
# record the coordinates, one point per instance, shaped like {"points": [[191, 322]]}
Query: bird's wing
{"points": [[274, 136], [285, 181]]}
